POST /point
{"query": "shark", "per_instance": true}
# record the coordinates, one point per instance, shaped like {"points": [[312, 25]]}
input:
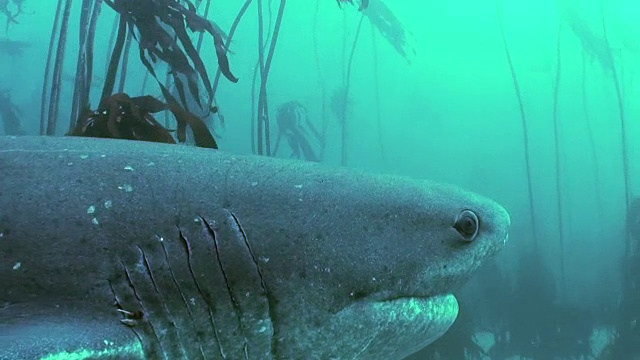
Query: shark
{"points": [[117, 249]]}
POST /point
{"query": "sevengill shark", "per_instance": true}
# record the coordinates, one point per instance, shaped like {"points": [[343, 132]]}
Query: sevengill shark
{"points": [[115, 249]]}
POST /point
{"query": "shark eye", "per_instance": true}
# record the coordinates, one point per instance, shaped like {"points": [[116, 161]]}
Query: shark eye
{"points": [[467, 225]]}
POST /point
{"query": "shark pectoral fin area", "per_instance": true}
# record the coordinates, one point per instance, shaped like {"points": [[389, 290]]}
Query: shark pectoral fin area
{"points": [[30, 332], [243, 280]]}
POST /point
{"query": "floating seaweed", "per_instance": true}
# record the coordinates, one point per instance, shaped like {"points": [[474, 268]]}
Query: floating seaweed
{"points": [[363, 3], [162, 35], [292, 118], [122, 117], [389, 26], [387, 23], [590, 34], [8, 13], [595, 46]]}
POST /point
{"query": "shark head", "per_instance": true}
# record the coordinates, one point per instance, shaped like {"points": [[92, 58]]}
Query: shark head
{"points": [[375, 262], [152, 251]]}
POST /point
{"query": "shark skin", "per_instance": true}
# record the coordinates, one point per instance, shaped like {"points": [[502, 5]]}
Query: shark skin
{"points": [[114, 249]]}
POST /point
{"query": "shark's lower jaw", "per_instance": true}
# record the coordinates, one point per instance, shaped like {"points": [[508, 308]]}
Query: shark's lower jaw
{"points": [[384, 330], [419, 321]]}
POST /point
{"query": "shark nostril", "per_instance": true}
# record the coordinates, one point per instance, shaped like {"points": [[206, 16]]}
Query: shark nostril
{"points": [[467, 224]]}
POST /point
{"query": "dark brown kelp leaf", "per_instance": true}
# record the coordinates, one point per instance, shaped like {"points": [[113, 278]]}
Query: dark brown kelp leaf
{"points": [[149, 103], [179, 65], [180, 88], [113, 114], [198, 24], [181, 33], [223, 61], [184, 118], [162, 34], [201, 134], [165, 92], [86, 126], [122, 117]]}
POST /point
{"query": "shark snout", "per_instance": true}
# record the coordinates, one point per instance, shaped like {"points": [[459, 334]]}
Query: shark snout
{"points": [[495, 224]]}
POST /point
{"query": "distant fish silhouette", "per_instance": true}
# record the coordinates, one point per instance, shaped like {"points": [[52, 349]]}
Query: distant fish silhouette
{"points": [[12, 47]]}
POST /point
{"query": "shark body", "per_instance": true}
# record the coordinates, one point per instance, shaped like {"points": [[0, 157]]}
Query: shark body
{"points": [[116, 249]]}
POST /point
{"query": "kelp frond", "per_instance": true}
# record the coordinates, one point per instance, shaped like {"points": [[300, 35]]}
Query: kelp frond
{"points": [[390, 27], [163, 34], [293, 122], [363, 3], [123, 117]]}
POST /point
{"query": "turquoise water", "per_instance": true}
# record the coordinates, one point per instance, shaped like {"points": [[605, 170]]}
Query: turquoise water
{"points": [[447, 109]]}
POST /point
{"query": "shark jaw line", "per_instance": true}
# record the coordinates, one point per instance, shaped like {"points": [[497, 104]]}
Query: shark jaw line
{"points": [[416, 297], [421, 320], [442, 308]]}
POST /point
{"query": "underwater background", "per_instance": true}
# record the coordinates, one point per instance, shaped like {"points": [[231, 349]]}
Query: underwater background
{"points": [[528, 102]]}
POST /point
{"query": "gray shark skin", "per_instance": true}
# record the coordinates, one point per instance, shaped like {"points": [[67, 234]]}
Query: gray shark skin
{"points": [[115, 249]]}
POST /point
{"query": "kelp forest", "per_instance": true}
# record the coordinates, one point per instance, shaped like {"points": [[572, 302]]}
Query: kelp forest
{"points": [[186, 54], [524, 310]]}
